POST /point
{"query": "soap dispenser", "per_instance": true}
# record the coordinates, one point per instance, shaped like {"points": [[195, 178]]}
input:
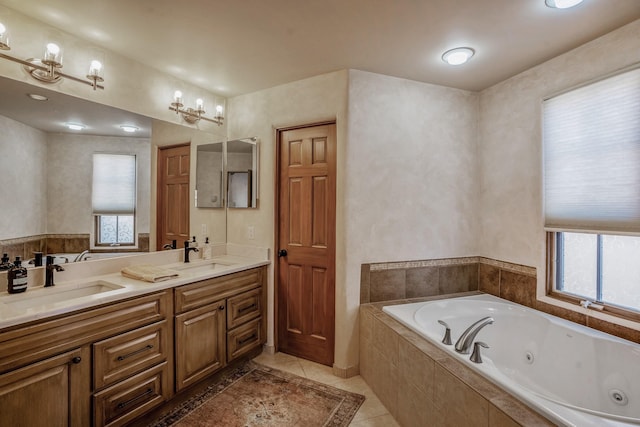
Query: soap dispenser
{"points": [[193, 243], [206, 249], [5, 264], [17, 277]]}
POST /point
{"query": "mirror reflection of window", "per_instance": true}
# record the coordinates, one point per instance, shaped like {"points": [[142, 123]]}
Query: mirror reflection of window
{"points": [[239, 183]]}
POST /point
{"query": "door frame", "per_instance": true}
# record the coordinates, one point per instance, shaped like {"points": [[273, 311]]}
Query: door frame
{"points": [[159, 198], [276, 179]]}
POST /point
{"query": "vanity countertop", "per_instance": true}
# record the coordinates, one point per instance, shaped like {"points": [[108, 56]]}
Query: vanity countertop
{"points": [[65, 297]]}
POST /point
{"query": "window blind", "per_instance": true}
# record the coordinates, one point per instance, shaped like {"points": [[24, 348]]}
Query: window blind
{"points": [[114, 184], [591, 138]]}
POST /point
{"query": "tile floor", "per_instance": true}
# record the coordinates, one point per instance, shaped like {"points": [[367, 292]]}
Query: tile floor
{"points": [[372, 413]]}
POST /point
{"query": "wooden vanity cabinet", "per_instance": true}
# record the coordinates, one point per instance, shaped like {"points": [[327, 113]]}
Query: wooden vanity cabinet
{"points": [[218, 320]]}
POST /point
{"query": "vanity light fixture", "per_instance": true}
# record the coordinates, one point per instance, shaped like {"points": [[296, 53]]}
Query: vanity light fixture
{"points": [[458, 56], [193, 115], [129, 128], [562, 4], [47, 69]]}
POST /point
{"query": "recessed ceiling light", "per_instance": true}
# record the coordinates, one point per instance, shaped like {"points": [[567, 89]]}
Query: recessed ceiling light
{"points": [[128, 128], [75, 126], [562, 4], [37, 97], [458, 56]]}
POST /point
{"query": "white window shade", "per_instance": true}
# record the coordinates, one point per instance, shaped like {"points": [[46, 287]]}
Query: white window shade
{"points": [[114, 184], [592, 156]]}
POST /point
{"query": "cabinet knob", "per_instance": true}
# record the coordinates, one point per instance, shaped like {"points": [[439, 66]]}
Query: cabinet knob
{"points": [[221, 308], [76, 360]]}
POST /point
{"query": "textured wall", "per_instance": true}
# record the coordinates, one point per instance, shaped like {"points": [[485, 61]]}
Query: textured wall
{"points": [[23, 184], [510, 145]]}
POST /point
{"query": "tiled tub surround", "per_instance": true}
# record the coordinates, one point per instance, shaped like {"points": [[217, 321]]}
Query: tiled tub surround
{"points": [[60, 243], [572, 374], [517, 283], [421, 385]]}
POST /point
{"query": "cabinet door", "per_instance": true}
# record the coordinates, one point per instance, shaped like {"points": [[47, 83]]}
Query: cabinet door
{"points": [[200, 343], [48, 393]]}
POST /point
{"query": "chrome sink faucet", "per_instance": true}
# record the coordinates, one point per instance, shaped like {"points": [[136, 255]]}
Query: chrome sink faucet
{"points": [[49, 269], [81, 255], [187, 249], [464, 343]]}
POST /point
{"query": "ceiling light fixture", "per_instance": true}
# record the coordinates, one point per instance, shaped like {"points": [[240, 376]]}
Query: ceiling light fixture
{"points": [[458, 56], [193, 115], [47, 69], [129, 128], [75, 126], [562, 4]]}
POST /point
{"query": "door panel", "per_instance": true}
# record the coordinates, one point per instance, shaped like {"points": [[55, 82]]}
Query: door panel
{"points": [[306, 275], [173, 194]]}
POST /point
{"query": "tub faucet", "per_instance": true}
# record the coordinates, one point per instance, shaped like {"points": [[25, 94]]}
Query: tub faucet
{"points": [[464, 343], [49, 269], [187, 249], [81, 256]]}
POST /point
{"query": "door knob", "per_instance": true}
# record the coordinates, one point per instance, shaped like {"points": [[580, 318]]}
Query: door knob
{"points": [[282, 252]]}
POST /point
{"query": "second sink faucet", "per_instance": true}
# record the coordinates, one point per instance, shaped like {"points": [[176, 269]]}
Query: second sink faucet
{"points": [[49, 269], [187, 249], [464, 343]]}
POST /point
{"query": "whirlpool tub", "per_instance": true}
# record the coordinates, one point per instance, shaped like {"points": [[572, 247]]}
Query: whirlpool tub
{"points": [[574, 375]]}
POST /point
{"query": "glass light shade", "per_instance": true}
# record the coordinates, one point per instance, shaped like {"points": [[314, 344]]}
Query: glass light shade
{"points": [[177, 97], [562, 4], [199, 104], [52, 54], [95, 69], [4, 37], [458, 55], [219, 110]]}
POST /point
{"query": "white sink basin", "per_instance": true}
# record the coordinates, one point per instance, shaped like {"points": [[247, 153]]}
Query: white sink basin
{"points": [[55, 294], [201, 268]]}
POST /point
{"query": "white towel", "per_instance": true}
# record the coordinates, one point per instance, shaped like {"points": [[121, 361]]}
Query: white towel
{"points": [[149, 273]]}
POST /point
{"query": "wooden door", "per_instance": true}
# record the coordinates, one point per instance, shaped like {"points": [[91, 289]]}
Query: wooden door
{"points": [[173, 194], [200, 340], [306, 242]]}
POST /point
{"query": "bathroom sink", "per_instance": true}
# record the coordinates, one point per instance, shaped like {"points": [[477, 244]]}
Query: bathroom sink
{"points": [[55, 294], [202, 268]]}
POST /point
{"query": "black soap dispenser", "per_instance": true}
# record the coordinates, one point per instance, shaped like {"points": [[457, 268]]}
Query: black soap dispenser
{"points": [[17, 277], [5, 264]]}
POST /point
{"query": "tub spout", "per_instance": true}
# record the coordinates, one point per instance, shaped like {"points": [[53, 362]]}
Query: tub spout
{"points": [[464, 343]]}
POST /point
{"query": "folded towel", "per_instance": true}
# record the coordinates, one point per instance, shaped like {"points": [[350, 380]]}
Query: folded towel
{"points": [[149, 273]]}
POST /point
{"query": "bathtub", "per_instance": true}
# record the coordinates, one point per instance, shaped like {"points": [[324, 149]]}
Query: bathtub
{"points": [[574, 375]]}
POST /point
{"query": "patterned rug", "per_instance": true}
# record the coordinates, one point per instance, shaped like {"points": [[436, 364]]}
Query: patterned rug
{"points": [[255, 395]]}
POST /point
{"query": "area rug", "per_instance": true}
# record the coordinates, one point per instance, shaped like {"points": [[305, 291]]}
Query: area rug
{"points": [[256, 395]]}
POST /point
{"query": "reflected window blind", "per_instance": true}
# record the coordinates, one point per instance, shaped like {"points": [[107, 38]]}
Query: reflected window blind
{"points": [[114, 184], [591, 138]]}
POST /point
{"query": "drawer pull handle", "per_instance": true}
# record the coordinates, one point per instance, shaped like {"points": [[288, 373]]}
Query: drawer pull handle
{"points": [[249, 307], [126, 356], [130, 401], [246, 340]]}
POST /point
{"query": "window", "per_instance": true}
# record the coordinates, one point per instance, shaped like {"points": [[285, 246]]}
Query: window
{"points": [[591, 138], [114, 199]]}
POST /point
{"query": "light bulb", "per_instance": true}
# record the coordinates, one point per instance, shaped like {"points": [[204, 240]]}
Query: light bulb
{"points": [[53, 48], [177, 97], [199, 104], [219, 110], [4, 38], [3, 29], [52, 54]]}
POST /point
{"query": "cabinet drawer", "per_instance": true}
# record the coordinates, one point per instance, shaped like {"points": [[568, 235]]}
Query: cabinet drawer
{"points": [[125, 354], [243, 339], [121, 403], [244, 307], [207, 291]]}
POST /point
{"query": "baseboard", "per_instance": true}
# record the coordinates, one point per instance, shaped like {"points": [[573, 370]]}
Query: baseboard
{"points": [[348, 372], [269, 349]]}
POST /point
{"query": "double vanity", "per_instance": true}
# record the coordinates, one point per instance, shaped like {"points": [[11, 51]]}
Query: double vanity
{"points": [[105, 349]]}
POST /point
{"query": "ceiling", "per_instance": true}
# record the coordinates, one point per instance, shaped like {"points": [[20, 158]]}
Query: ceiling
{"points": [[232, 47]]}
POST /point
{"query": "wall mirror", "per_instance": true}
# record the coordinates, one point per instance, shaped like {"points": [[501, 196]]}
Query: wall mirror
{"points": [[242, 173], [47, 168], [209, 176]]}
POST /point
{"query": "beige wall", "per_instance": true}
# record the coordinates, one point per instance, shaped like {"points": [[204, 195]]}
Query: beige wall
{"points": [[23, 186], [510, 154]]}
